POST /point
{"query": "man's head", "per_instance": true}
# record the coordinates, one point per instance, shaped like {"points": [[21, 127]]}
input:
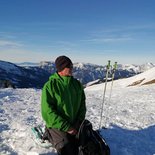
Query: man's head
{"points": [[64, 65]]}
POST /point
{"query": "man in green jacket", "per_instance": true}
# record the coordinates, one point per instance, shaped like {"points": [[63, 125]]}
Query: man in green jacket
{"points": [[63, 107]]}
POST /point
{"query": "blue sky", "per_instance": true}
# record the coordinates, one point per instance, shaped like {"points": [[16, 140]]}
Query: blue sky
{"points": [[91, 31]]}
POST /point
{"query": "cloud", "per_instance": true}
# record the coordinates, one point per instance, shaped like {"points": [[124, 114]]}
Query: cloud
{"points": [[8, 43], [116, 34], [108, 39]]}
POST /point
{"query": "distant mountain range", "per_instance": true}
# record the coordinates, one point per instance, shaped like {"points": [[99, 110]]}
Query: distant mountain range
{"points": [[34, 75]]}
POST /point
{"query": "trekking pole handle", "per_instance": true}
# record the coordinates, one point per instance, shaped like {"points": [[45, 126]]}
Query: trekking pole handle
{"points": [[115, 66], [108, 65]]}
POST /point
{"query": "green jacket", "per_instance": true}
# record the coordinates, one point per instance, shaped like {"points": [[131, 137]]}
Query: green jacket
{"points": [[63, 102]]}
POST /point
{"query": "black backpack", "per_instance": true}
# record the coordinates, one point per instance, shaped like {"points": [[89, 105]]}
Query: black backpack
{"points": [[90, 141]]}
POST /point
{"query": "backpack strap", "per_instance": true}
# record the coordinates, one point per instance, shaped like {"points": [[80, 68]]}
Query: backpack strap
{"points": [[83, 132]]}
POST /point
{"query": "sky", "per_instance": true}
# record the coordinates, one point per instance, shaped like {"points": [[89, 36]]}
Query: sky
{"points": [[89, 31]]}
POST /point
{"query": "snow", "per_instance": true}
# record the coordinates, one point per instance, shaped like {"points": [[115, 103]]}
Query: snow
{"points": [[79, 65], [129, 117], [93, 82], [146, 76], [136, 68]]}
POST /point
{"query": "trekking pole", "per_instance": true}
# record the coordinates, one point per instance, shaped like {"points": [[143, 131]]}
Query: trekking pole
{"points": [[107, 73], [112, 80], [113, 76]]}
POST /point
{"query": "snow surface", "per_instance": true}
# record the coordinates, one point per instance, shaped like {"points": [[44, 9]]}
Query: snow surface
{"points": [[129, 117]]}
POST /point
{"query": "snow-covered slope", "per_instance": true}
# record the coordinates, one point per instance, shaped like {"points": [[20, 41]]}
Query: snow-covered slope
{"points": [[144, 78], [129, 117]]}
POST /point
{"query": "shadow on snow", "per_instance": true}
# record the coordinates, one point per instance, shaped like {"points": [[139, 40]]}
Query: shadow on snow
{"points": [[130, 142]]}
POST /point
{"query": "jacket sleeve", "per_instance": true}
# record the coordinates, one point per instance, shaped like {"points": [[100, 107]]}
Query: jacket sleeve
{"points": [[48, 110], [82, 110]]}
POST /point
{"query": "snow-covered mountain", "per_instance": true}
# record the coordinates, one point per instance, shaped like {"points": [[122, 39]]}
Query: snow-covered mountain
{"points": [[24, 75], [87, 72], [129, 117], [21, 77], [23, 64], [47, 66], [136, 68]]}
